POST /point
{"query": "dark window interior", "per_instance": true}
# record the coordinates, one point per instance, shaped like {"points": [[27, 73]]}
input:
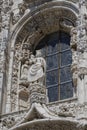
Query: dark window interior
{"points": [[57, 53]]}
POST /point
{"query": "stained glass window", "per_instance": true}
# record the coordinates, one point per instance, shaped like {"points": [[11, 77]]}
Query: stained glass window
{"points": [[57, 53]]}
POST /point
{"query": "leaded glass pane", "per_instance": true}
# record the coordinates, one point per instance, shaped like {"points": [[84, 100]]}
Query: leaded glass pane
{"points": [[65, 74], [53, 93], [52, 78], [52, 43], [52, 62], [66, 90], [65, 41], [66, 58]]}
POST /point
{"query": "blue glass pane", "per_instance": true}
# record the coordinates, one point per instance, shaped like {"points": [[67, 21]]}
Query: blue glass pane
{"points": [[66, 91], [53, 93], [52, 62], [53, 43], [52, 48], [65, 74], [52, 78], [65, 41], [66, 58], [43, 50]]}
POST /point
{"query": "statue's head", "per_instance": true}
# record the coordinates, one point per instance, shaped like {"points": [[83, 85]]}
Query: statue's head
{"points": [[38, 53]]}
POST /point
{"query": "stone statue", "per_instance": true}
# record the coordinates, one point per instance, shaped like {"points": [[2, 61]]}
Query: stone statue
{"points": [[37, 70], [24, 70]]}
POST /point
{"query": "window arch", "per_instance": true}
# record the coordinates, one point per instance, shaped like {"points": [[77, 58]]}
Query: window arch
{"points": [[57, 53]]}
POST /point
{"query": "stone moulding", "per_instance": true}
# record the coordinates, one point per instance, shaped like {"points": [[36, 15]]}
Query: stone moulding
{"points": [[26, 17]]}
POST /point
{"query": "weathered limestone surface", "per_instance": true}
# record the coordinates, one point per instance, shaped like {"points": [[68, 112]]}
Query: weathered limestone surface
{"points": [[23, 96]]}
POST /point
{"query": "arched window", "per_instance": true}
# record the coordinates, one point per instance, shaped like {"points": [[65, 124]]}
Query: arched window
{"points": [[57, 53]]}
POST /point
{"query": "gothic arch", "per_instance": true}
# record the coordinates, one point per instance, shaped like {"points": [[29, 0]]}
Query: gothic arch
{"points": [[33, 26], [67, 9]]}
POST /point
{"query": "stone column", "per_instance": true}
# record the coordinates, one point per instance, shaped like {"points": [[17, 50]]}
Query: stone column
{"points": [[8, 102], [82, 52]]}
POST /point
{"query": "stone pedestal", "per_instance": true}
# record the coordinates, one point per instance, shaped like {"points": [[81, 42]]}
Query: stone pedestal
{"points": [[37, 93]]}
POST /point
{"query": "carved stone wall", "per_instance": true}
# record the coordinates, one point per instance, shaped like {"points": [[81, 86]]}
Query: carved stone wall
{"points": [[23, 24]]}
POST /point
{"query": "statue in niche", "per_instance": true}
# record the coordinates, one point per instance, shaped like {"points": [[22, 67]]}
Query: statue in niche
{"points": [[24, 70], [25, 63], [37, 70]]}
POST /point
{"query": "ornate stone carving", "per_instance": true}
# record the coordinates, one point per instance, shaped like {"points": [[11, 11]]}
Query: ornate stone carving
{"points": [[82, 66], [82, 38], [73, 42], [15, 79], [65, 111], [36, 79], [11, 2], [69, 109], [14, 18], [8, 122], [26, 51], [74, 68], [37, 70], [38, 98], [25, 63], [37, 88], [22, 8], [24, 70]]}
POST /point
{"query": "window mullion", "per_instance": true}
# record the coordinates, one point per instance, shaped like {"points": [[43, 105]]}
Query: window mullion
{"points": [[59, 68]]}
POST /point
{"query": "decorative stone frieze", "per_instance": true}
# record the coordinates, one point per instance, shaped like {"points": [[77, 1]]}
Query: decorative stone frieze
{"points": [[69, 109], [8, 122]]}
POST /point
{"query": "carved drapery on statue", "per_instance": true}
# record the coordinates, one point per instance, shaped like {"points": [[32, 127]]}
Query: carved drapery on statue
{"points": [[37, 70], [36, 79]]}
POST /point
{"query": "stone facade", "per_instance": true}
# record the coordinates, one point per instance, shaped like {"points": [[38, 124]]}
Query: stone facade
{"points": [[23, 95]]}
